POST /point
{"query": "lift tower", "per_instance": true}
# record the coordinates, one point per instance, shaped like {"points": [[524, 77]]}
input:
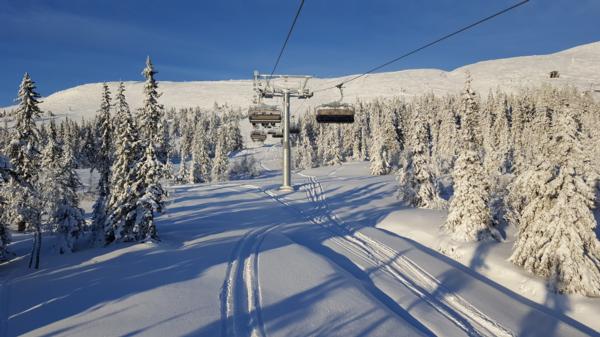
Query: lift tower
{"points": [[285, 86]]}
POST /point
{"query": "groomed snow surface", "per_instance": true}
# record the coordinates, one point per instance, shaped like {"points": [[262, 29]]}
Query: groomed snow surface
{"points": [[337, 257]]}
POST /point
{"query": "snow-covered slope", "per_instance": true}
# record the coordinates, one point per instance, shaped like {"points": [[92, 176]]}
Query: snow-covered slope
{"points": [[243, 258], [579, 66]]}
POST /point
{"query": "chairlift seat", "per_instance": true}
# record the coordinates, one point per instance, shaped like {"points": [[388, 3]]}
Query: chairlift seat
{"points": [[258, 136], [264, 114], [336, 112]]}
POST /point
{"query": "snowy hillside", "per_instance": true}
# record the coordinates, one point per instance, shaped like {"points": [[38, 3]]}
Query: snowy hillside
{"points": [[579, 66]]}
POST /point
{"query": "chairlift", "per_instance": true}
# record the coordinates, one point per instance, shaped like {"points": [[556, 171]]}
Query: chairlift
{"points": [[258, 136], [264, 114], [275, 133], [336, 112]]}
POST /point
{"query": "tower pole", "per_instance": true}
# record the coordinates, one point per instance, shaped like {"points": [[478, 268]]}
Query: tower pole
{"points": [[287, 169]]}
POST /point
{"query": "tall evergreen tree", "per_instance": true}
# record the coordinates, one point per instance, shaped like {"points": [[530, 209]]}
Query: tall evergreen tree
{"points": [[104, 155], [24, 157], [385, 148], [151, 115], [469, 215], [417, 184], [68, 216], [200, 170], [6, 175], [151, 195], [306, 156], [556, 226], [220, 167], [122, 199]]}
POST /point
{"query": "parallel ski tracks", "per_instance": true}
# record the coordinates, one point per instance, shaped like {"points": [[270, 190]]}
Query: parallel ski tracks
{"points": [[452, 306], [240, 294]]}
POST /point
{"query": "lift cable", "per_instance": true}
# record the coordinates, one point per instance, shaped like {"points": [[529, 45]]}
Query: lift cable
{"points": [[287, 37], [425, 46]]}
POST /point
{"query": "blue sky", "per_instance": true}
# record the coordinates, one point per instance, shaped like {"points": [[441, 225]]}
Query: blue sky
{"points": [[63, 43]]}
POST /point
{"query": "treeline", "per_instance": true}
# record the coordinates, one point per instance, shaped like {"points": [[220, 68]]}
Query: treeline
{"points": [[132, 153], [529, 159]]}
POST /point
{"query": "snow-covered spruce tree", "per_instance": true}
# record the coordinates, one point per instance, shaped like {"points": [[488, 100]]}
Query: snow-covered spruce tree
{"points": [[68, 216], [385, 148], [234, 139], [332, 153], [186, 131], [182, 172], [5, 175], [469, 215], [104, 157], [150, 194], [200, 168], [89, 148], [306, 155], [556, 227], [122, 199], [151, 115], [357, 141], [417, 184], [220, 165], [23, 153], [50, 182]]}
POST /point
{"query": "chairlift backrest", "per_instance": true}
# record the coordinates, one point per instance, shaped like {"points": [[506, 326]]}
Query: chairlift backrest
{"points": [[264, 114], [335, 112], [258, 135]]}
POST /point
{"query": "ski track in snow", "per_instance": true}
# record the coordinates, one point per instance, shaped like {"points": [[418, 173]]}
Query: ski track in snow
{"points": [[452, 306], [240, 297]]}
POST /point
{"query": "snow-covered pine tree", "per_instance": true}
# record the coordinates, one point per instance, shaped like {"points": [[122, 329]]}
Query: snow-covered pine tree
{"points": [[151, 195], [417, 184], [385, 148], [23, 154], [122, 199], [151, 115], [332, 153], [213, 131], [556, 226], [357, 141], [200, 169], [306, 155], [50, 182], [104, 156], [89, 148], [469, 214], [182, 172], [377, 155], [234, 136], [5, 237], [220, 165], [67, 216], [365, 135]]}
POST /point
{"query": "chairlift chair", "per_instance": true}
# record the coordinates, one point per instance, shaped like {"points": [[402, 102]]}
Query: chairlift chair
{"points": [[258, 136], [266, 115], [275, 133], [336, 112]]}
